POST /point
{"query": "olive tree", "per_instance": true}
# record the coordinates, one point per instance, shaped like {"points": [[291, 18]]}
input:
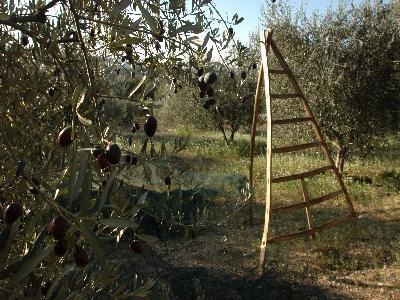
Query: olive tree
{"points": [[72, 72]]}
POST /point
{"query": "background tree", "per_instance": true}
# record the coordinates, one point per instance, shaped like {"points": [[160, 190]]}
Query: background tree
{"points": [[225, 105], [346, 63]]}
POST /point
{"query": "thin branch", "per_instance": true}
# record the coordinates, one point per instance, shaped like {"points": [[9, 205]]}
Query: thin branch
{"points": [[28, 179], [39, 17], [136, 29], [89, 70], [22, 29]]}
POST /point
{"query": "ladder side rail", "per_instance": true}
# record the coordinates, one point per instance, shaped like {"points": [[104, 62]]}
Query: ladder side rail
{"points": [[266, 38], [316, 127], [256, 108]]}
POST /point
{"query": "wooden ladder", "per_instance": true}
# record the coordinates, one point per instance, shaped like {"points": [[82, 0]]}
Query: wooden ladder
{"points": [[268, 44]]}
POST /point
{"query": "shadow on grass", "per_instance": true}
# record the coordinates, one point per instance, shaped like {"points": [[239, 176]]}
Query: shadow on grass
{"points": [[198, 283], [373, 243], [341, 248]]}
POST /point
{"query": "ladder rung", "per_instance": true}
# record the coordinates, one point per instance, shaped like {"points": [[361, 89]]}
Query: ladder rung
{"points": [[295, 147], [273, 71], [291, 121], [291, 236], [284, 96], [333, 222], [306, 204], [301, 175]]}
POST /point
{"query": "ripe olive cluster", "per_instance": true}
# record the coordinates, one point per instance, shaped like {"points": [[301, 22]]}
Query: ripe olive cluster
{"points": [[243, 73], [204, 83], [58, 230], [177, 86], [12, 213], [112, 154], [129, 54], [149, 127], [105, 157]]}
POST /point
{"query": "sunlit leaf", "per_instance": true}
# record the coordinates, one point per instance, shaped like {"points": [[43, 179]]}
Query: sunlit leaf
{"points": [[137, 86], [76, 96], [82, 119]]}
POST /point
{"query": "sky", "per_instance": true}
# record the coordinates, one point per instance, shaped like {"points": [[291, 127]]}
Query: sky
{"points": [[250, 10]]}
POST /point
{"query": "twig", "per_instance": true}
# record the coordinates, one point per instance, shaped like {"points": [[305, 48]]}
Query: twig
{"points": [[39, 17], [135, 29], [45, 197], [89, 70], [22, 29]]}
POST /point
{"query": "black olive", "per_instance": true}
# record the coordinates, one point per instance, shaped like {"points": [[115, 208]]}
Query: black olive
{"points": [[150, 127]]}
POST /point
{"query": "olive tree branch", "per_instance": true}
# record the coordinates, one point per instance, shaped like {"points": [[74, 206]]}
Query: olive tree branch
{"points": [[28, 179], [39, 17], [89, 70]]}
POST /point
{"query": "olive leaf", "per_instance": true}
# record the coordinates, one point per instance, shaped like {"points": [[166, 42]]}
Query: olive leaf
{"points": [[149, 88], [189, 27], [4, 17], [6, 237], [82, 119], [142, 198], [238, 21], [209, 54], [93, 240], [119, 223], [84, 160], [144, 290], [205, 41], [106, 190], [119, 7], [148, 238], [28, 263], [137, 86], [146, 15]]}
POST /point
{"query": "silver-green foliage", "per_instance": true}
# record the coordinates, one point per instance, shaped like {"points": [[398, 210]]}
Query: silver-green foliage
{"points": [[347, 63]]}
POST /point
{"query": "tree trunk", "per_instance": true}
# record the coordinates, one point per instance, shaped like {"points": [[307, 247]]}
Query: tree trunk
{"points": [[220, 125], [340, 158], [224, 134], [232, 136]]}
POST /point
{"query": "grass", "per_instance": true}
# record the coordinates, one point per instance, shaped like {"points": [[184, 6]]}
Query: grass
{"points": [[361, 255]]}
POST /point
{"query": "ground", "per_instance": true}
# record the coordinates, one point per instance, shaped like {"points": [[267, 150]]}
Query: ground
{"points": [[345, 262]]}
